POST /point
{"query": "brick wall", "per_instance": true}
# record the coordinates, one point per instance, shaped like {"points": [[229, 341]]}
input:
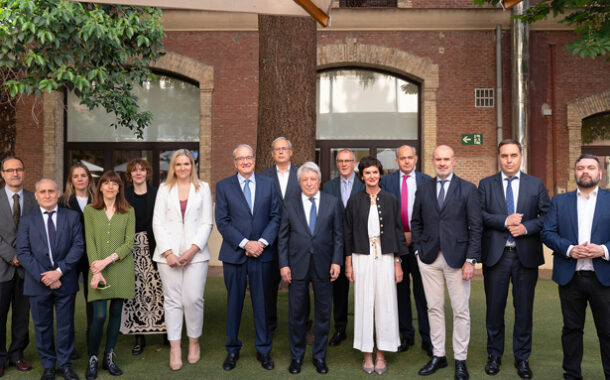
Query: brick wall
{"points": [[29, 141]]}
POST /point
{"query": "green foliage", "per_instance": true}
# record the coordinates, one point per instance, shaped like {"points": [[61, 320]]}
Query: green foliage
{"points": [[596, 127], [97, 51], [590, 19]]}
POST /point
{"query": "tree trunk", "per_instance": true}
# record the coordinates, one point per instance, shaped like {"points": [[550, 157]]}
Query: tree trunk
{"points": [[286, 87], [8, 122]]}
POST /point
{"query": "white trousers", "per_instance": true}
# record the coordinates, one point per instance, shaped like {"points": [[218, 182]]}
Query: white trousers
{"points": [[183, 296], [375, 303], [433, 277]]}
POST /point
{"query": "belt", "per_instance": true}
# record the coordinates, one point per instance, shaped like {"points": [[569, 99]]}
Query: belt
{"points": [[374, 240], [585, 273], [509, 249]]}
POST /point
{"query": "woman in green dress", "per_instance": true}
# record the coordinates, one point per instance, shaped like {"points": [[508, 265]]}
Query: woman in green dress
{"points": [[109, 230]]}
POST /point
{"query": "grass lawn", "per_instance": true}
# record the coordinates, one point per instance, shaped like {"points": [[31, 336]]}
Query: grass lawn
{"points": [[344, 362]]}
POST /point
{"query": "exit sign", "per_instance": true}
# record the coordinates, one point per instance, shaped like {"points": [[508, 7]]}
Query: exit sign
{"points": [[472, 139]]}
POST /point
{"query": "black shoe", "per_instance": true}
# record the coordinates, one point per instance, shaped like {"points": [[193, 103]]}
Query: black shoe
{"points": [[265, 360], [461, 372], [433, 365], [337, 338], [68, 373], [109, 364], [138, 347], [523, 369], [493, 365], [91, 368], [427, 346], [48, 374], [321, 366], [295, 366], [405, 344], [74, 355], [230, 361]]}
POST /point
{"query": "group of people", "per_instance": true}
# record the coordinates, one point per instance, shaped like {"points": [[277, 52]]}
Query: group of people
{"points": [[144, 256]]}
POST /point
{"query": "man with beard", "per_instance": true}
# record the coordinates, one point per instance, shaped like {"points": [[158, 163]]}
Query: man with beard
{"points": [[576, 229]]}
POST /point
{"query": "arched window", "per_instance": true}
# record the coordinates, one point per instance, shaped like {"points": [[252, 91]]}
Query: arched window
{"points": [[369, 112]]}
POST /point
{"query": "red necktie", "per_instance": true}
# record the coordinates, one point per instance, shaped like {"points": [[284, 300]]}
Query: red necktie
{"points": [[404, 202]]}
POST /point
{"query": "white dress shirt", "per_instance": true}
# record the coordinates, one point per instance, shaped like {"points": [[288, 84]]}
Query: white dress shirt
{"points": [[412, 187], [45, 217], [252, 185], [307, 204], [446, 186], [515, 186], [283, 179], [9, 195]]}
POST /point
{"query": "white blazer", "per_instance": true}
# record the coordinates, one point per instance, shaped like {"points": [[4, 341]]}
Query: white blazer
{"points": [[172, 233]]}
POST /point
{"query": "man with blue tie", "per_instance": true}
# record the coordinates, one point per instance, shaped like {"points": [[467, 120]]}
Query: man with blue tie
{"points": [[342, 187], [403, 184], [576, 228], [248, 217], [513, 208], [49, 247], [310, 250]]}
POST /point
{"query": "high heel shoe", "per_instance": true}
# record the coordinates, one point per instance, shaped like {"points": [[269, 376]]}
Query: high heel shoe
{"points": [[368, 370], [194, 351], [380, 371], [175, 355]]}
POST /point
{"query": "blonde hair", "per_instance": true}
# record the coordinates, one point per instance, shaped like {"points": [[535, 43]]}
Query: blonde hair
{"points": [[171, 173], [69, 191]]}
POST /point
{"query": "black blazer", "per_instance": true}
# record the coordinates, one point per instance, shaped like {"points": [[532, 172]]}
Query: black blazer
{"points": [[356, 219], [150, 196], [333, 187], [533, 202], [293, 188], [455, 229], [72, 204], [297, 246]]}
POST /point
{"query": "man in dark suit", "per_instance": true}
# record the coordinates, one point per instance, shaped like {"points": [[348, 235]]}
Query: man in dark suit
{"points": [[576, 229], [49, 247], [284, 176], [403, 184], [513, 216], [446, 228], [310, 249], [342, 187], [14, 202], [248, 218]]}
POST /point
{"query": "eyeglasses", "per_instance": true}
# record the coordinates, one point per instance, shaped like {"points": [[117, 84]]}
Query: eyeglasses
{"points": [[344, 161], [12, 171], [245, 158], [282, 149]]}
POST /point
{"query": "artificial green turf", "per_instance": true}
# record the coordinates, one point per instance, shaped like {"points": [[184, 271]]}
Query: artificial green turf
{"points": [[343, 361]]}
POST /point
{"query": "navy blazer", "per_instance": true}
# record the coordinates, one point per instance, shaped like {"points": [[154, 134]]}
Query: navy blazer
{"points": [[33, 251], [333, 187], [292, 188], [297, 246], [561, 230], [533, 202], [455, 229], [235, 222]]}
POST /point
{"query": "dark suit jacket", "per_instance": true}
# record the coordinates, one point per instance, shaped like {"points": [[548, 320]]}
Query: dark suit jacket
{"points": [[33, 252], [296, 245], [455, 229], [72, 204], [561, 230], [235, 222], [292, 189], [533, 202], [150, 196], [8, 233], [333, 187]]}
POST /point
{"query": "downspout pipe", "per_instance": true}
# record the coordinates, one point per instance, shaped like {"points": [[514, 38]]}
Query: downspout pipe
{"points": [[520, 81], [499, 121]]}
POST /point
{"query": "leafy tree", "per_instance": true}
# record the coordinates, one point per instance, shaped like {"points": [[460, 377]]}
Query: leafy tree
{"points": [[98, 51], [590, 19]]}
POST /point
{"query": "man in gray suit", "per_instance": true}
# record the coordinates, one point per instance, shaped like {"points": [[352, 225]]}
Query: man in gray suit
{"points": [[14, 202]]}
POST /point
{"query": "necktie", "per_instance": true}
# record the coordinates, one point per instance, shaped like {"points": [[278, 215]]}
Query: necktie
{"points": [[345, 192], [312, 215], [441, 194], [52, 231], [16, 209], [248, 194], [404, 202], [510, 203]]}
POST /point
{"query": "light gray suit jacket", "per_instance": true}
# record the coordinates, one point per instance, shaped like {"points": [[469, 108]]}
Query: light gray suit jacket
{"points": [[8, 233]]}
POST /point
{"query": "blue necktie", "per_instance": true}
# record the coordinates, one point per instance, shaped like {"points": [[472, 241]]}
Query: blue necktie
{"points": [[52, 232], [510, 204], [441, 194], [248, 194], [312, 215]]}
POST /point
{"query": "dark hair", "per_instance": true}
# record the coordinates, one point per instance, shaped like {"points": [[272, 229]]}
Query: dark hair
{"points": [[11, 158], [120, 204], [368, 161], [508, 142], [590, 156], [131, 166]]}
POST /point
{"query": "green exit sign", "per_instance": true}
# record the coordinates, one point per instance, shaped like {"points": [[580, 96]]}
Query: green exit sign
{"points": [[472, 139]]}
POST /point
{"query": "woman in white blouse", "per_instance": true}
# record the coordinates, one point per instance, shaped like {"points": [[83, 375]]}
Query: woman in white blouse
{"points": [[182, 223]]}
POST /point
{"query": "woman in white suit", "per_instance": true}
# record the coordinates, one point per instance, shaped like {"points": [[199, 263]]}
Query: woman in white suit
{"points": [[182, 223]]}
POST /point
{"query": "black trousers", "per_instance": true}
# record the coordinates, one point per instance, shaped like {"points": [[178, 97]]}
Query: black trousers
{"points": [[410, 270], [583, 288], [271, 296], [11, 292], [340, 301]]}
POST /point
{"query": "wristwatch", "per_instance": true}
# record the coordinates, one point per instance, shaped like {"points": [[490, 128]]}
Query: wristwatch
{"points": [[398, 260], [472, 261]]}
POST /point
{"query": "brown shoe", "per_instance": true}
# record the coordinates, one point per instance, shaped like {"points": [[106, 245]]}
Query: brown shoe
{"points": [[22, 365]]}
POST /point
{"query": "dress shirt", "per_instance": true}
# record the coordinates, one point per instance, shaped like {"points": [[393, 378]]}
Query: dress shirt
{"points": [[447, 183], [307, 204], [283, 179], [10, 193], [412, 187], [346, 188], [515, 186], [45, 217], [585, 209], [252, 184]]}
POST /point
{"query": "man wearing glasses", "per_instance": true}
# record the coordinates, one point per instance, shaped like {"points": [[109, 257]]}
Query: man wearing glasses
{"points": [[342, 187], [14, 202]]}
